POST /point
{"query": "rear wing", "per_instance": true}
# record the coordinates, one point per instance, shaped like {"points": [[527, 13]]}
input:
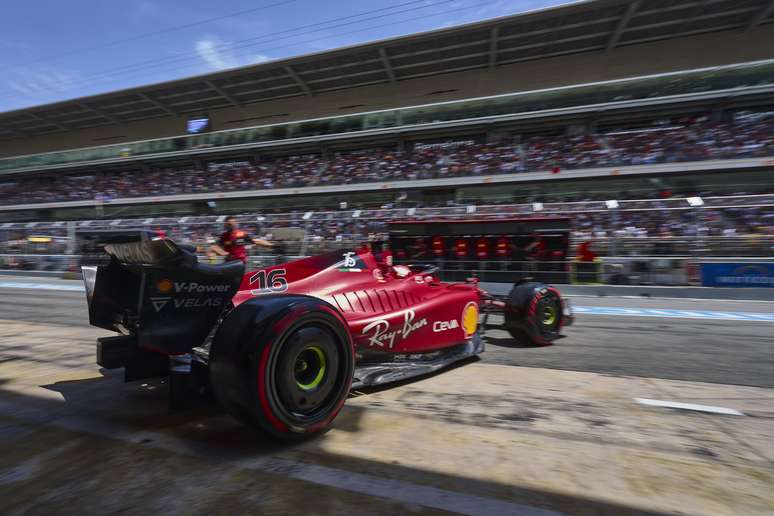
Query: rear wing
{"points": [[155, 290], [130, 246]]}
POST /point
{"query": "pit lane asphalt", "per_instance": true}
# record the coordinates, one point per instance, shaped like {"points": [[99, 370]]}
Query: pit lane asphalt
{"points": [[716, 351]]}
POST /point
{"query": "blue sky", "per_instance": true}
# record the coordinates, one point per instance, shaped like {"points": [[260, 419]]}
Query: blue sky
{"points": [[74, 48]]}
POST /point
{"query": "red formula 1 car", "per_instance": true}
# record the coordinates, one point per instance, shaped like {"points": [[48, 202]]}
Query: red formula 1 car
{"points": [[281, 347]]}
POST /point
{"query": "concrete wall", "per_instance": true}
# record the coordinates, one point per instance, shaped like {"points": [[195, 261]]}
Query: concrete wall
{"points": [[713, 49]]}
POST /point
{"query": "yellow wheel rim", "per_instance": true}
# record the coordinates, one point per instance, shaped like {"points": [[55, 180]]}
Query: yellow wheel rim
{"points": [[549, 315], [310, 368]]}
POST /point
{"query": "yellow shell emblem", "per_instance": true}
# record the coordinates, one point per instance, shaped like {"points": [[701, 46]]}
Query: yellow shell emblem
{"points": [[164, 286], [470, 319]]}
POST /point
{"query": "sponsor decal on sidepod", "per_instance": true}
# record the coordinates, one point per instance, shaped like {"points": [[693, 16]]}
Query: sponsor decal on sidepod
{"points": [[187, 302], [439, 326], [165, 286], [383, 334], [470, 319], [193, 287]]}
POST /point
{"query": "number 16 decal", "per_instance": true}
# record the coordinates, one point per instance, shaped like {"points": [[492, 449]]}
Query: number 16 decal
{"points": [[274, 281]]}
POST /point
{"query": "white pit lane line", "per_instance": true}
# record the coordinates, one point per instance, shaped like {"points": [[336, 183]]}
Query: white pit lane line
{"points": [[42, 286], [710, 409], [584, 310], [673, 314]]}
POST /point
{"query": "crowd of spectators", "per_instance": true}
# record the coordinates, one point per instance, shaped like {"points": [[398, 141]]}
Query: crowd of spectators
{"points": [[747, 136], [665, 218]]}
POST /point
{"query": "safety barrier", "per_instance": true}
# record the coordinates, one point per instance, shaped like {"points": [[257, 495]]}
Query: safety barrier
{"points": [[737, 274], [587, 273]]}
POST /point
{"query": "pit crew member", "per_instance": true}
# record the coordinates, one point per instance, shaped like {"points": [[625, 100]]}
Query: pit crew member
{"points": [[231, 243]]}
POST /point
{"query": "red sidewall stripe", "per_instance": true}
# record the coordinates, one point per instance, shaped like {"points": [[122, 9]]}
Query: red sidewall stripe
{"points": [[531, 313], [277, 329], [276, 423]]}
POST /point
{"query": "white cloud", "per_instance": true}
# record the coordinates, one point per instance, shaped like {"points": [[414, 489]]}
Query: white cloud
{"points": [[40, 80], [212, 52], [217, 55]]}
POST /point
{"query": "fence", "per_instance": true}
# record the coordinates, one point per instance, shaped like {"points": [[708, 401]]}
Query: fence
{"points": [[753, 245], [616, 270], [682, 247]]}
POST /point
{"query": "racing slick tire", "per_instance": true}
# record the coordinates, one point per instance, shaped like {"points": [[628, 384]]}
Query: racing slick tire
{"points": [[533, 314], [283, 364]]}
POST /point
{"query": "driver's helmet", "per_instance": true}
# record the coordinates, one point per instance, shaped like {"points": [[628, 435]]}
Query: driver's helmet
{"points": [[401, 271]]}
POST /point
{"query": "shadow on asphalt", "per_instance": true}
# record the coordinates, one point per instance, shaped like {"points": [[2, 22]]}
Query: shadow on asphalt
{"points": [[508, 342], [379, 388], [137, 414]]}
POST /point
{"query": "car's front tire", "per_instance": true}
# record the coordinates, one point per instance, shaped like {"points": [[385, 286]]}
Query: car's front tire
{"points": [[534, 314], [283, 364]]}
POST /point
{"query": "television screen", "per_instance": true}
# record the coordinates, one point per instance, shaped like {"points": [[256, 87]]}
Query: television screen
{"points": [[197, 125]]}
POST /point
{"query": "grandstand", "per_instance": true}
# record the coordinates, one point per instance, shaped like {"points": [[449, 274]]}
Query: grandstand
{"points": [[747, 136], [643, 101]]}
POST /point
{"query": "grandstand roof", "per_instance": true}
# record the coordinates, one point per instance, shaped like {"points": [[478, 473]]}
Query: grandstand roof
{"points": [[580, 27]]}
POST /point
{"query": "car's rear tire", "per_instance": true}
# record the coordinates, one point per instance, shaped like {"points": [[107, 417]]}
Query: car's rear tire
{"points": [[283, 364], [533, 314]]}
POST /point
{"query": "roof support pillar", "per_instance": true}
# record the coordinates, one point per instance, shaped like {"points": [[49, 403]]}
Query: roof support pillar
{"points": [[387, 65], [622, 24], [101, 113], [760, 16], [158, 104], [301, 84], [494, 37], [52, 122], [231, 100]]}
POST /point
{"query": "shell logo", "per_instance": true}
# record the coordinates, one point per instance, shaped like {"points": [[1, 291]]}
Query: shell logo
{"points": [[470, 319], [164, 286]]}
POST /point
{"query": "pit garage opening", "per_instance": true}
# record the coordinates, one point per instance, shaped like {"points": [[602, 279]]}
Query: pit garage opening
{"points": [[504, 250]]}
